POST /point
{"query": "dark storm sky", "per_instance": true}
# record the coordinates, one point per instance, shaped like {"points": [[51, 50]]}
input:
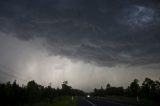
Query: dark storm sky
{"points": [[110, 34]]}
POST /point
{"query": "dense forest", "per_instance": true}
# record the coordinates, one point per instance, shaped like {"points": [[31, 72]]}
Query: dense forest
{"points": [[13, 93]]}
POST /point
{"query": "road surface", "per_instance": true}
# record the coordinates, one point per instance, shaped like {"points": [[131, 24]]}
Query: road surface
{"points": [[81, 101]]}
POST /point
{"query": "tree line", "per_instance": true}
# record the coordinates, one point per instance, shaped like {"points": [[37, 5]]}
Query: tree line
{"points": [[148, 90], [13, 94]]}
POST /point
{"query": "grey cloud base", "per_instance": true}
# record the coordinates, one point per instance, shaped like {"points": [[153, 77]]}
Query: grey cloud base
{"points": [[107, 32]]}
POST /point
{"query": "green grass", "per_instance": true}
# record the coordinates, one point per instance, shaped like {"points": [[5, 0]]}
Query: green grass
{"points": [[58, 101], [130, 100]]}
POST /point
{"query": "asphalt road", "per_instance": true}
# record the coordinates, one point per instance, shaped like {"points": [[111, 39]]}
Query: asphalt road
{"points": [[81, 101]]}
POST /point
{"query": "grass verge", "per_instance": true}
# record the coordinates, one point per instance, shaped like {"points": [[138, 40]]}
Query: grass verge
{"points": [[127, 100], [58, 101]]}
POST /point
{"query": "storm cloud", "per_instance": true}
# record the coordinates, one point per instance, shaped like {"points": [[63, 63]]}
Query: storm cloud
{"points": [[100, 33]]}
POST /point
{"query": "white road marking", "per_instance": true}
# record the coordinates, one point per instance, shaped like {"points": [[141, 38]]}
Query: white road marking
{"points": [[107, 102], [90, 102], [118, 103]]}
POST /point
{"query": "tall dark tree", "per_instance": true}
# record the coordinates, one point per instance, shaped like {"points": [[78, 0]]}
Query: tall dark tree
{"points": [[134, 88], [108, 86], [148, 88]]}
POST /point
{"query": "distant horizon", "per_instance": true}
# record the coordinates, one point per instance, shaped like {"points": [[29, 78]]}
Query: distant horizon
{"points": [[86, 91]]}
